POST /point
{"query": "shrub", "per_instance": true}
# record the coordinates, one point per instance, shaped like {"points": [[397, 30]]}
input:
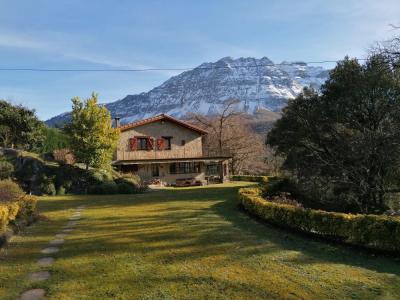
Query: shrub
{"points": [[126, 188], [105, 188], [100, 175], [9, 191], [8, 212], [370, 231], [6, 169], [27, 206], [61, 191], [136, 185], [47, 186], [14, 204], [129, 179], [251, 178]]}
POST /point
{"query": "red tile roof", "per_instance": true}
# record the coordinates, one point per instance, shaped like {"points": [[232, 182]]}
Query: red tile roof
{"points": [[160, 118]]}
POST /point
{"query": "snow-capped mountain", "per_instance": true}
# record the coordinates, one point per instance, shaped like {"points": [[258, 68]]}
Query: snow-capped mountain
{"points": [[257, 83]]}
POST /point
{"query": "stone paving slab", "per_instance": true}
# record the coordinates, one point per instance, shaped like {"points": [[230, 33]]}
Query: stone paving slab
{"points": [[39, 276], [34, 294], [57, 242], [37, 294], [50, 250], [45, 261], [61, 235]]}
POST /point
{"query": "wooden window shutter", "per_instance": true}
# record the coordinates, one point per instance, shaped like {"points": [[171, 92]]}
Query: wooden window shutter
{"points": [[160, 144], [150, 143], [133, 144]]}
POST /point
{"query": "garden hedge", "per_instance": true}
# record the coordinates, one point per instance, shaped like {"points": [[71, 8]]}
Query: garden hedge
{"points": [[370, 231], [251, 178]]}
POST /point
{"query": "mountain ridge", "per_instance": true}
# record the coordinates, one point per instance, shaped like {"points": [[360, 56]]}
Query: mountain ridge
{"points": [[258, 84]]}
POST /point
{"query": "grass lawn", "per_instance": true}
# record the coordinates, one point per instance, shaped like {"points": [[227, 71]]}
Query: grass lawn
{"points": [[189, 243]]}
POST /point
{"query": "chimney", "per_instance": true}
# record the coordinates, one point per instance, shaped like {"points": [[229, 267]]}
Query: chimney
{"points": [[117, 122]]}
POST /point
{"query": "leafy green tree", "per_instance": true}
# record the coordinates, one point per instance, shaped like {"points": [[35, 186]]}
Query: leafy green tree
{"points": [[92, 137], [54, 139], [19, 127], [342, 145]]}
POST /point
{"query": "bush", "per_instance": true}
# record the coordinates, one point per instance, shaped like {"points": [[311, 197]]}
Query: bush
{"points": [[134, 183], [14, 204], [47, 186], [105, 188], [8, 212], [61, 191], [100, 175], [251, 178], [370, 231], [27, 206], [126, 188], [9, 191], [6, 169]]}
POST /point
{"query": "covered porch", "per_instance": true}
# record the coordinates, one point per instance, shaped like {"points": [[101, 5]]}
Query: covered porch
{"points": [[178, 171]]}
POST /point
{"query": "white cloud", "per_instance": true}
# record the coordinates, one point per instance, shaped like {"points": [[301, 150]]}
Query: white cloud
{"points": [[20, 41], [67, 46]]}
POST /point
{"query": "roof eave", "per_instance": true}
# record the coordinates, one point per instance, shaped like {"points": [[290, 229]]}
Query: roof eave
{"points": [[159, 118]]}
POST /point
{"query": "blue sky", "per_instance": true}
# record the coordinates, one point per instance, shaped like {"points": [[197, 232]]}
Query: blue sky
{"points": [[147, 34]]}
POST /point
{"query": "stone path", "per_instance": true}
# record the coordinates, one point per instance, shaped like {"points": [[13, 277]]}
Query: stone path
{"points": [[45, 261], [42, 275], [33, 294]]}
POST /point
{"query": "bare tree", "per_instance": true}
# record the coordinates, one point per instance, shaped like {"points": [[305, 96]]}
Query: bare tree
{"points": [[216, 125], [229, 135], [389, 49]]}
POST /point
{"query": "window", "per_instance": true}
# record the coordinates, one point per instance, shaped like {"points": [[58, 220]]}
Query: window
{"points": [[167, 142], [184, 168], [213, 169], [183, 142], [141, 143]]}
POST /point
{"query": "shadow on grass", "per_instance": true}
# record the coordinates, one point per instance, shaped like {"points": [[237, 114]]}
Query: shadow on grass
{"points": [[194, 229], [313, 250]]}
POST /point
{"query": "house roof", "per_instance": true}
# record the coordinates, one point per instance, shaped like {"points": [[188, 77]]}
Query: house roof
{"points": [[160, 118]]}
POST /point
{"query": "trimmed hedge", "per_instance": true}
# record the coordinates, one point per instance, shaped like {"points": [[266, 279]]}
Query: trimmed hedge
{"points": [[251, 178], [369, 231]]}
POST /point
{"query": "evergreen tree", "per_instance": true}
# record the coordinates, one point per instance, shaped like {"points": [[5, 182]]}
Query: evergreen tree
{"points": [[19, 127], [342, 145], [54, 139], [92, 137]]}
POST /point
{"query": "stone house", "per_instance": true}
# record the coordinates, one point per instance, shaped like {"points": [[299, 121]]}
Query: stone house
{"points": [[167, 151]]}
